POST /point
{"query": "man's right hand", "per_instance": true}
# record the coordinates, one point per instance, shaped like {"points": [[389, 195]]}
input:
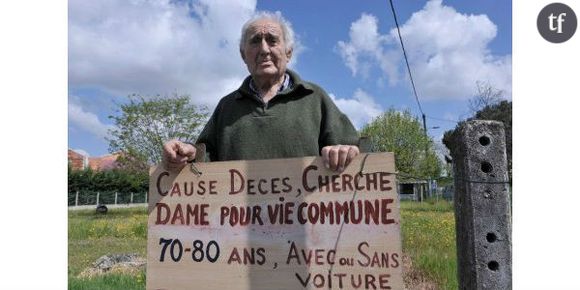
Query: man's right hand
{"points": [[176, 154]]}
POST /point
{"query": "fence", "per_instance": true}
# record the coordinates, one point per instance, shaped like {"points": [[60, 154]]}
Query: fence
{"points": [[80, 198]]}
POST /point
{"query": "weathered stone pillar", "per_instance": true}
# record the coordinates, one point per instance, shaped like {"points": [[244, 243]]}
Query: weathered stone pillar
{"points": [[482, 206], [365, 144]]}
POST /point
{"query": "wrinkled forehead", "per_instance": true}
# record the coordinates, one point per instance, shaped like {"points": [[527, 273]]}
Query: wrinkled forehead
{"points": [[264, 26]]}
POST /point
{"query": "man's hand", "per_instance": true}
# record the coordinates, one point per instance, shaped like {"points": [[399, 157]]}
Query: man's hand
{"points": [[176, 154], [337, 157]]}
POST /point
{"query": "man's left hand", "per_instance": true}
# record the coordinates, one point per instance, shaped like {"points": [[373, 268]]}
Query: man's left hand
{"points": [[337, 157]]}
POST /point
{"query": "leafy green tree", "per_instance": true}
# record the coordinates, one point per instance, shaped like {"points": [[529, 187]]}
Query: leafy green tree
{"points": [[403, 134], [74, 180], [502, 112], [79, 179], [145, 123], [119, 180], [490, 106]]}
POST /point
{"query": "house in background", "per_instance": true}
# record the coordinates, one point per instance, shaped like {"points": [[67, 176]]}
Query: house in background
{"points": [[105, 162], [79, 161], [413, 189]]}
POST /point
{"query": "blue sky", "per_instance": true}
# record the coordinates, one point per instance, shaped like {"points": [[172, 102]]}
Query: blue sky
{"points": [[350, 48]]}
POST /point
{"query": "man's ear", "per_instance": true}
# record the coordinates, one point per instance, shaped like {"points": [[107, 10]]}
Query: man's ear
{"points": [[289, 54], [243, 55]]}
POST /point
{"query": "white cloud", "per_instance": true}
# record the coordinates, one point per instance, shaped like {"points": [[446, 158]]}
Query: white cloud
{"points": [[448, 52], [360, 109], [158, 47], [87, 121], [151, 47], [366, 47]]}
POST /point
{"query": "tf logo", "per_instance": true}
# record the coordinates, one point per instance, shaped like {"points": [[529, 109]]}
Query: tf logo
{"points": [[557, 22]]}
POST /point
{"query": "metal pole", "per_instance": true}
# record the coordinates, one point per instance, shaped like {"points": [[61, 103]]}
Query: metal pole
{"points": [[116, 197], [77, 199], [98, 198], [131, 197], [428, 189]]}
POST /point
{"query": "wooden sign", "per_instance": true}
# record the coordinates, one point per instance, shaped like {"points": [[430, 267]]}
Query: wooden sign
{"points": [[275, 224]]}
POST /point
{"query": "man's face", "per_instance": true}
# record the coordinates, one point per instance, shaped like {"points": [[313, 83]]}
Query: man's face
{"points": [[264, 51]]}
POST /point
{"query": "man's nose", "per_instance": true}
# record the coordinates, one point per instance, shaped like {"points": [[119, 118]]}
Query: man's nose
{"points": [[264, 47]]}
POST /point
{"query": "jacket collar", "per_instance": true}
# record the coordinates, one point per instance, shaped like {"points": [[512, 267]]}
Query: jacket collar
{"points": [[297, 84]]}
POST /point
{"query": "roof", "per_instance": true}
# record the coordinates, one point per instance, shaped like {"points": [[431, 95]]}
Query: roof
{"points": [[412, 181], [77, 160], [105, 162]]}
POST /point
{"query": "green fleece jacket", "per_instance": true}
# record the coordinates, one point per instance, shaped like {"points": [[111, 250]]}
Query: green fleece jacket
{"points": [[297, 122]]}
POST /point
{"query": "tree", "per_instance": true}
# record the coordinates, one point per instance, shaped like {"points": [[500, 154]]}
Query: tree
{"points": [[501, 111], [403, 134], [107, 180], [486, 96], [144, 124]]}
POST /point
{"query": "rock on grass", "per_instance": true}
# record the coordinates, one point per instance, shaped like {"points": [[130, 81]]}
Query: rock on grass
{"points": [[130, 264]]}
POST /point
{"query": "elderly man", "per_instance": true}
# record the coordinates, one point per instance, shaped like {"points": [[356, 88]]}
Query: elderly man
{"points": [[274, 113]]}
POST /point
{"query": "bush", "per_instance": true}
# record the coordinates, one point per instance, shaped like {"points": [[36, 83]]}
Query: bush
{"points": [[88, 182]]}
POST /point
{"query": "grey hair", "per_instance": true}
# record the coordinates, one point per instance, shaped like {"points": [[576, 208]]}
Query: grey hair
{"points": [[276, 17]]}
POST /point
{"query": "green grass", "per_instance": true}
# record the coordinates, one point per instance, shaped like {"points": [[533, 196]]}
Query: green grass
{"points": [[439, 205], [92, 235], [428, 231], [110, 281]]}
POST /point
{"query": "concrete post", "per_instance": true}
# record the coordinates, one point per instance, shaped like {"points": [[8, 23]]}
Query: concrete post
{"points": [[365, 144], [98, 198], [131, 198], [482, 206], [116, 193], [77, 199], [146, 195]]}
